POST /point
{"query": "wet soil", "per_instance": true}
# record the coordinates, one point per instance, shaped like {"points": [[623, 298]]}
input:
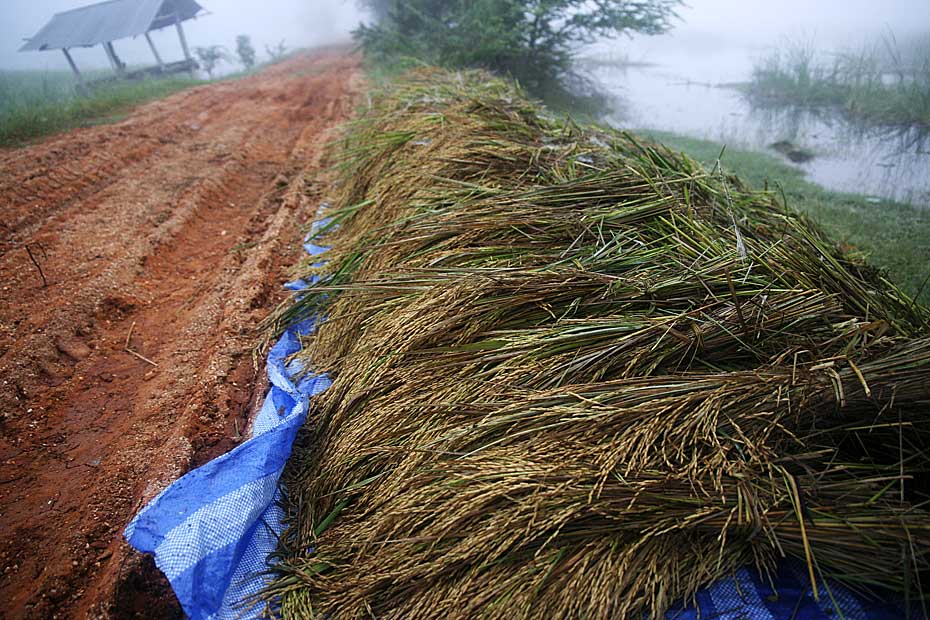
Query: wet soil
{"points": [[136, 260]]}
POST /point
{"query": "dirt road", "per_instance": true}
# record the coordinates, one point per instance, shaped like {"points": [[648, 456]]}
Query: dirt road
{"points": [[166, 234]]}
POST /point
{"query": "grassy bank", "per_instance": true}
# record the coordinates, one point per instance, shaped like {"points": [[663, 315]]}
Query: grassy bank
{"points": [[893, 235], [40, 103], [882, 85]]}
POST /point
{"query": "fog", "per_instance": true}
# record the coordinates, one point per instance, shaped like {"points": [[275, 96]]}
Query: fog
{"points": [[834, 21], [727, 25], [718, 40], [298, 22]]}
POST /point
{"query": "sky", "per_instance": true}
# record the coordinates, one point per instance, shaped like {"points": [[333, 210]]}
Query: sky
{"points": [[721, 23]]}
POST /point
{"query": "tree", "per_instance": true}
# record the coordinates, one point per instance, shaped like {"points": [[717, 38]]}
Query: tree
{"points": [[531, 40], [277, 52], [245, 51], [209, 57]]}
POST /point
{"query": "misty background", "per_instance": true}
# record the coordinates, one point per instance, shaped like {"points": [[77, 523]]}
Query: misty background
{"points": [[733, 29], [719, 40]]}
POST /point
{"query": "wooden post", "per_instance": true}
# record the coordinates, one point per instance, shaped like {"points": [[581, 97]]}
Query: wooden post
{"points": [[81, 87], [154, 50], [77, 74], [120, 67], [113, 64], [187, 52]]}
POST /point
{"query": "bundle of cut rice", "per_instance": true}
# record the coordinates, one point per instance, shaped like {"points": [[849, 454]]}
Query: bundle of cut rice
{"points": [[577, 375]]}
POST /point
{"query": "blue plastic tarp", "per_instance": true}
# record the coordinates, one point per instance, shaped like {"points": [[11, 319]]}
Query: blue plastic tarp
{"points": [[212, 530]]}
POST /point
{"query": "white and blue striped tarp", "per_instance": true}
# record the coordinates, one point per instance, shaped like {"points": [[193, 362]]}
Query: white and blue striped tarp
{"points": [[212, 530], [747, 596]]}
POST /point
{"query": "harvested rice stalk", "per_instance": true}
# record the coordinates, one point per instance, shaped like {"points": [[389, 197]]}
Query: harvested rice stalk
{"points": [[577, 375]]}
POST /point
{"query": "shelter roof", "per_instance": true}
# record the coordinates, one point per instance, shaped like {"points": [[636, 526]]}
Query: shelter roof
{"points": [[109, 21]]}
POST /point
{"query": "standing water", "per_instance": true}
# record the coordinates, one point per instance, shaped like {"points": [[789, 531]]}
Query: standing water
{"points": [[691, 92]]}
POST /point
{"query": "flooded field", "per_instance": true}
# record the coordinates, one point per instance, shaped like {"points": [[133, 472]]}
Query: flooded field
{"points": [[692, 93]]}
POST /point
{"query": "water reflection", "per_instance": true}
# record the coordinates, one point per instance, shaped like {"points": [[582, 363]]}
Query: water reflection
{"points": [[882, 162]]}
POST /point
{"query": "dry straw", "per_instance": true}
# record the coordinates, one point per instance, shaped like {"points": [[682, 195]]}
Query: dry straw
{"points": [[577, 375]]}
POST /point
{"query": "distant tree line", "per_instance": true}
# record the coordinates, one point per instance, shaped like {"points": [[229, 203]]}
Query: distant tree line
{"points": [[245, 51], [211, 56], [533, 41]]}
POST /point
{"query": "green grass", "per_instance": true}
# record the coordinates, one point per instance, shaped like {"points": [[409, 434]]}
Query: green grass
{"points": [[885, 84], [892, 235], [34, 104]]}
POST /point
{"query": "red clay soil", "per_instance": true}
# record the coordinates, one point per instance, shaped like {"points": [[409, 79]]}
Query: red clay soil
{"points": [[168, 235]]}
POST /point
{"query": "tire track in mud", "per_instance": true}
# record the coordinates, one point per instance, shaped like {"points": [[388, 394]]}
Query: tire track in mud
{"points": [[170, 230]]}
